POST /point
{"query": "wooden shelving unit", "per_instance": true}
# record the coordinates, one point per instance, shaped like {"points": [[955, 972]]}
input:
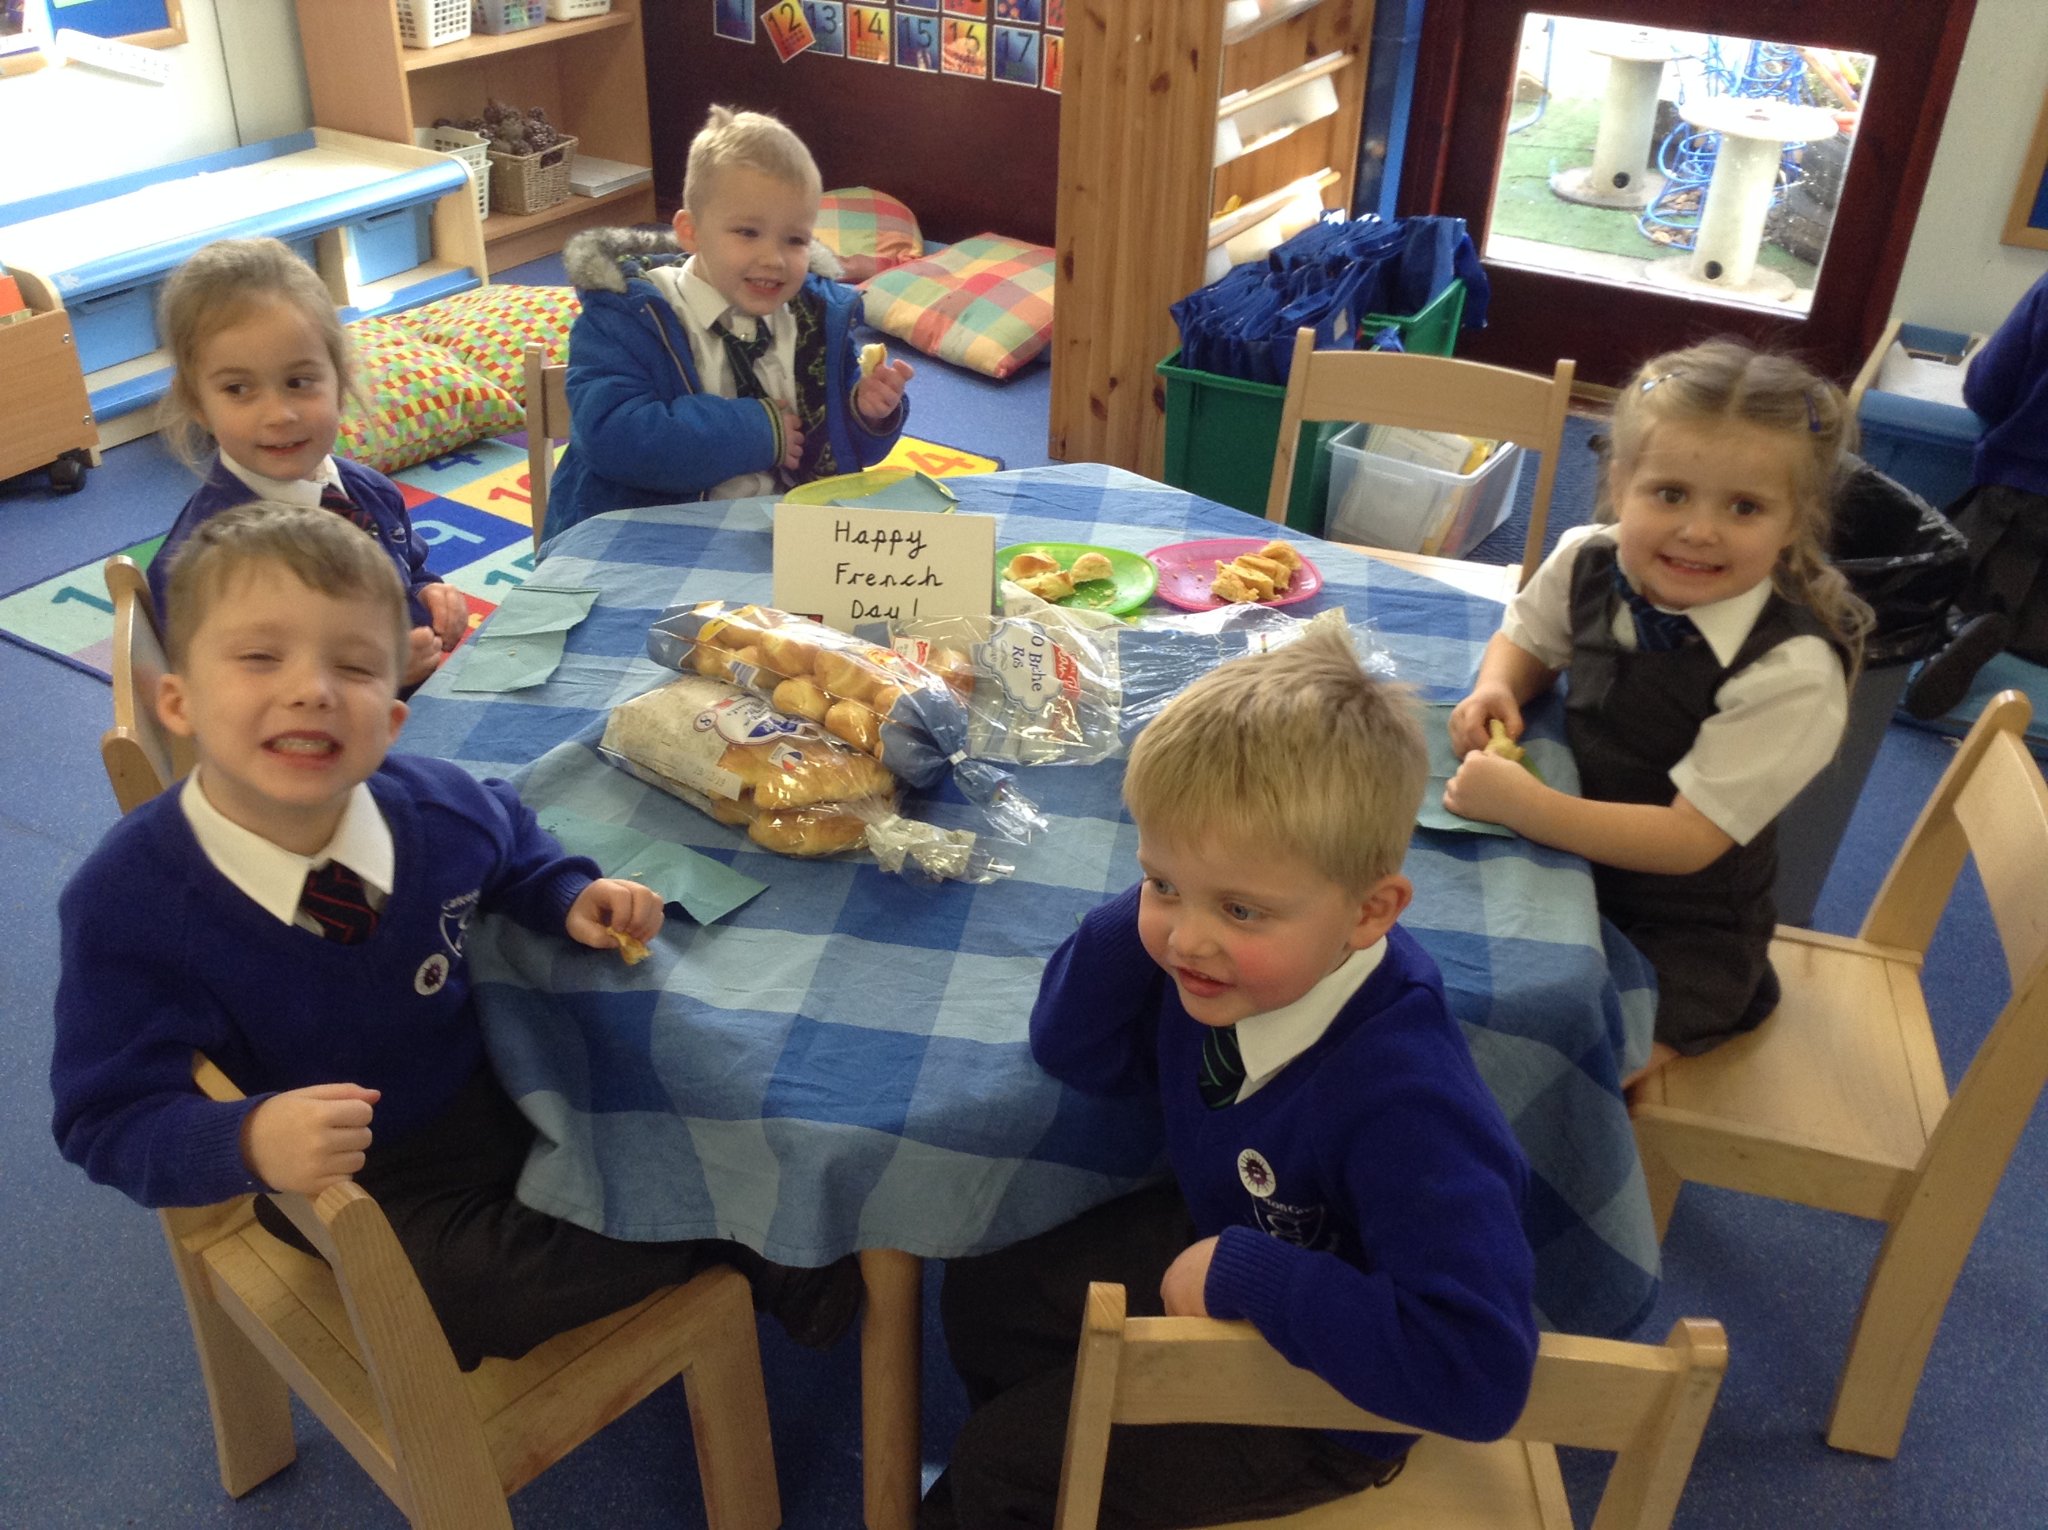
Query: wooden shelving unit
{"points": [[588, 75], [1146, 84]]}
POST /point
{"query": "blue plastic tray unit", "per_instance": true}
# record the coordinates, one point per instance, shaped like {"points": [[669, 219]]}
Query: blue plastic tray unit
{"points": [[112, 298], [1925, 445]]}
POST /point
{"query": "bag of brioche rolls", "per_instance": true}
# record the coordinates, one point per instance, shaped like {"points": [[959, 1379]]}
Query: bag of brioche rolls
{"points": [[870, 697], [792, 787]]}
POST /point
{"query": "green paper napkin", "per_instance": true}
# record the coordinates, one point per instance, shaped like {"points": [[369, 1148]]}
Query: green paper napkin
{"points": [[708, 890], [509, 664]]}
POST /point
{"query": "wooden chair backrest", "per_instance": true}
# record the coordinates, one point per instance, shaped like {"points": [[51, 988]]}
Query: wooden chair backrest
{"points": [[1426, 393], [547, 421], [1648, 1404], [141, 755], [1990, 806]]}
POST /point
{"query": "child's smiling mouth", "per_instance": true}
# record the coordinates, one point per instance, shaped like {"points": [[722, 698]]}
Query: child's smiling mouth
{"points": [[311, 747], [1196, 983]]}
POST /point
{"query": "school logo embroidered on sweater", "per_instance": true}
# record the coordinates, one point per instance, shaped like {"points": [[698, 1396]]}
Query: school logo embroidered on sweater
{"points": [[455, 916], [1299, 1225]]}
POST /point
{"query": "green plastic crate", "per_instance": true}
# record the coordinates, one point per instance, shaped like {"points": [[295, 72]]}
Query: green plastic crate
{"points": [[1222, 432]]}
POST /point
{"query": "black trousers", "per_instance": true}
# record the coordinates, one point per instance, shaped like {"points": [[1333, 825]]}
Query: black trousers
{"points": [[501, 1276], [1013, 1321]]}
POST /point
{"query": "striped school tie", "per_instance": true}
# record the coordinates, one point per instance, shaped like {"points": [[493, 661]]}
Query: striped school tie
{"points": [[1656, 631], [1222, 1072], [332, 498], [335, 898]]}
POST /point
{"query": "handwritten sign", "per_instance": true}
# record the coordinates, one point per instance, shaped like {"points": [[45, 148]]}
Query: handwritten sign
{"points": [[848, 566]]}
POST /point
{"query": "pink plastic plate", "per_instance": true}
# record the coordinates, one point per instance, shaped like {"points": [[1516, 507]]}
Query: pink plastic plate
{"points": [[1186, 570]]}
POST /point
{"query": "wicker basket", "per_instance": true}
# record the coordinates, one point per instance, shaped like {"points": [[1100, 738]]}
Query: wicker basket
{"points": [[430, 23], [473, 149], [571, 10], [526, 183]]}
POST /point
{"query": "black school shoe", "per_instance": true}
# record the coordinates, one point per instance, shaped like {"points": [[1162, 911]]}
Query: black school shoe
{"points": [[1944, 680], [814, 1306]]}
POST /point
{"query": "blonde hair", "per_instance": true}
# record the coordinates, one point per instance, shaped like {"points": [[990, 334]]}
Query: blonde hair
{"points": [[1728, 380], [747, 141], [216, 288], [324, 551], [1298, 751]]}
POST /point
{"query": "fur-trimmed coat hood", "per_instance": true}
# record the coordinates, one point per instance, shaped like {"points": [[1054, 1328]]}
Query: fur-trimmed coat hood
{"points": [[605, 259]]}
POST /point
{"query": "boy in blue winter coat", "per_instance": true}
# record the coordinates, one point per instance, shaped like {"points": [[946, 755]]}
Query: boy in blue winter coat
{"points": [[1342, 1177], [297, 910], [729, 373]]}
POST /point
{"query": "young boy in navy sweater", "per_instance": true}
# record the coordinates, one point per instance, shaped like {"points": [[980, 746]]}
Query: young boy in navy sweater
{"points": [[1341, 1175], [297, 911]]}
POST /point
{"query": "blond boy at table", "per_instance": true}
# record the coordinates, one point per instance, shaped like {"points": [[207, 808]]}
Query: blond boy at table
{"points": [[297, 910], [1342, 1177], [733, 371]]}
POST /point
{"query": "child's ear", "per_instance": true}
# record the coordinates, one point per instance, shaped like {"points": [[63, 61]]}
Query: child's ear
{"points": [[686, 229], [170, 705], [1384, 902], [399, 712]]}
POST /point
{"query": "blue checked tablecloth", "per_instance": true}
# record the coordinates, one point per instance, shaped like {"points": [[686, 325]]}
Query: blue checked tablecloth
{"points": [[842, 1062]]}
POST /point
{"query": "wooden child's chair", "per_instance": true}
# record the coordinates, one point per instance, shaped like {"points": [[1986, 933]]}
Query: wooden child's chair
{"points": [[1430, 393], [1646, 1403], [547, 421], [1839, 1100], [142, 756], [354, 1335]]}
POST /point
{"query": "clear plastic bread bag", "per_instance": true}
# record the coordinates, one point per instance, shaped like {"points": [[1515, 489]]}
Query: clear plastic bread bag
{"points": [[863, 693], [792, 787], [1050, 686]]}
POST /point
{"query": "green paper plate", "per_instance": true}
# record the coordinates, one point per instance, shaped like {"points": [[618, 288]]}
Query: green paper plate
{"points": [[822, 491], [1130, 584]]}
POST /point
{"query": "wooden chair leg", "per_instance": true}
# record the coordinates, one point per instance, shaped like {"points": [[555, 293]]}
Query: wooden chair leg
{"points": [[891, 1365], [1662, 1183], [729, 1410], [1902, 1308], [248, 1400]]}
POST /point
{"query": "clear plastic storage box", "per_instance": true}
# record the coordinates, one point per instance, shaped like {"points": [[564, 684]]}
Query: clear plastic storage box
{"points": [[1405, 507]]}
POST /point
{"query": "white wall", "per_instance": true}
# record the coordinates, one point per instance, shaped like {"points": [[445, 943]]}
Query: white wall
{"points": [[1957, 273], [69, 126]]}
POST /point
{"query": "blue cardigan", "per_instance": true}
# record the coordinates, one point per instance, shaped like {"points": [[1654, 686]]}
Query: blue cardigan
{"points": [[643, 431], [162, 956], [367, 488], [2007, 383], [1383, 1246]]}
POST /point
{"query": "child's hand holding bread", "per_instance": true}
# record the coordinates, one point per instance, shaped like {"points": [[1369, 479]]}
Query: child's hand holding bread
{"points": [[881, 385]]}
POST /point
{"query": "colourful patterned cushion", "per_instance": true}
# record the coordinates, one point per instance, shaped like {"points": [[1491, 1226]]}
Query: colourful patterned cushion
{"points": [[422, 401], [868, 230], [984, 303], [491, 327]]}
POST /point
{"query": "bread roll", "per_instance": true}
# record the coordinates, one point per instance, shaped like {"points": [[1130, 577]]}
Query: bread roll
{"points": [[855, 723], [809, 831], [788, 654], [1027, 564], [801, 698], [1051, 588], [842, 676], [1091, 566]]}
